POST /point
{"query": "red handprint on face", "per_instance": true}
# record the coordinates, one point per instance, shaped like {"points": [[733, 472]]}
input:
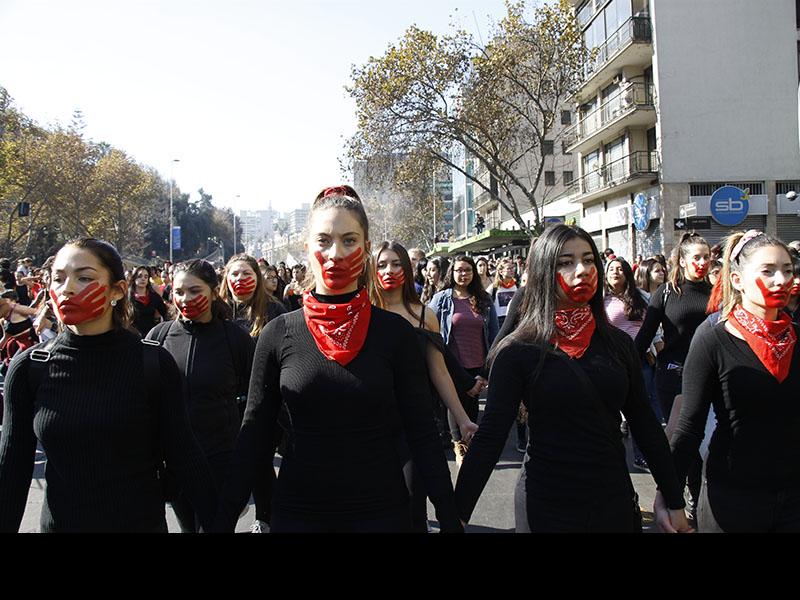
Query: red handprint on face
{"points": [[581, 293], [194, 307], [243, 287], [89, 304], [340, 273], [390, 281]]}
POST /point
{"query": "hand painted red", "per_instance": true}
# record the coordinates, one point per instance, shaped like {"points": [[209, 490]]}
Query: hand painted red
{"points": [[193, 308], [243, 287], [338, 274], [701, 270], [584, 291], [773, 298], [85, 306], [390, 281]]}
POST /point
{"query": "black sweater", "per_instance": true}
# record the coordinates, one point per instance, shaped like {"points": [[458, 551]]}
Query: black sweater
{"points": [[96, 423], [215, 359], [756, 443], [576, 452], [342, 459], [681, 316], [144, 317]]}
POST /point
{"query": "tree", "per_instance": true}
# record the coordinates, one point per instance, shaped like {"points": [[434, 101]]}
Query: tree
{"points": [[496, 102]]}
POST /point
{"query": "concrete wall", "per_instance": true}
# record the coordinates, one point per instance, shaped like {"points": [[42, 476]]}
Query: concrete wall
{"points": [[726, 73]]}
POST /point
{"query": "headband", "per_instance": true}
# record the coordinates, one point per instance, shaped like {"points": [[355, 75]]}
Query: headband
{"points": [[746, 239]]}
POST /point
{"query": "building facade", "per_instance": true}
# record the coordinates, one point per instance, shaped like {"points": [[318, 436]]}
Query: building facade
{"points": [[683, 104]]}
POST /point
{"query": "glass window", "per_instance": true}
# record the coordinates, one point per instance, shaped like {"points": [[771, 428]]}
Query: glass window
{"points": [[549, 178], [567, 177], [566, 117], [547, 147]]}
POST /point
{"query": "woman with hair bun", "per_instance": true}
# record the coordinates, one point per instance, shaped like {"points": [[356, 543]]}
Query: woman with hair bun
{"points": [[215, 357], [352, 380], [575, 373], [746, 368], [106, 408]]}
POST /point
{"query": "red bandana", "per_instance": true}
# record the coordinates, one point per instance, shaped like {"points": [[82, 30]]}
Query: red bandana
{"points": [[339, 330], [508, 285], [143, 299], [574, 330], [771, 341]]}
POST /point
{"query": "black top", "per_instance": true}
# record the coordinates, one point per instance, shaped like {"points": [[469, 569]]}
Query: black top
{"points": [[274, 309], [576, 452], [7, 279], [144, 317], [215, 359], [755, 443], [342, 458], [96, 423], [681, 315]]}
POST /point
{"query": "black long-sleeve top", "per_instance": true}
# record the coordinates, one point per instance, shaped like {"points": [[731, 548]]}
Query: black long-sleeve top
{"points": [[274, 309], [144, 317], [575, 458], [756, 443], [342, 456], [215, 359], [97, 424], [681, 316]]}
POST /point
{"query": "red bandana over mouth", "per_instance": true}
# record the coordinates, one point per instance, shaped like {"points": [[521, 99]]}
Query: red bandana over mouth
{"points": [[574, 330], [337, 274], [85, 306], [390, 281], [339, 330], [243, 287], [771, 341]]}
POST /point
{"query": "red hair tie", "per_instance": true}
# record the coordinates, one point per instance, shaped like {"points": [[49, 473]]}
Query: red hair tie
{"points": [[336, 191]]}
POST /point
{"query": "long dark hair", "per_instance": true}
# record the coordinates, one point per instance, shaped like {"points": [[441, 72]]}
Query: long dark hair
{"points": [[537, 321], [429, 290], [479, 300], [132, 283], [642, 276], [205, 271], [256, 311], [635, 306], [106, 253], [409, 293]]}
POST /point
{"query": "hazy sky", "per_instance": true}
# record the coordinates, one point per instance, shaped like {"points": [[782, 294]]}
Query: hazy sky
{"points": [[247, 94]]}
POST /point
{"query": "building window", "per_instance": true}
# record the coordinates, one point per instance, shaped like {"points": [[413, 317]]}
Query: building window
{"points": [[567, 176], [547, 147], [566, 117], [707, 189], [564, 147], [550, 178]]}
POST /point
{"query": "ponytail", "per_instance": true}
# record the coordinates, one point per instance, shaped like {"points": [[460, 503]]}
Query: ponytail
{"points": [[676, 277]]}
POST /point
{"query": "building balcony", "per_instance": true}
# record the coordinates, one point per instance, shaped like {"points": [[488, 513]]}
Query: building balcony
{"points": [[628, 46], [631, 106], [616, 176]]}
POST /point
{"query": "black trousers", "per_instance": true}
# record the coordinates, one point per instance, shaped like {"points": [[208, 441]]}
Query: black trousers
{"points": [[471, 407], [389, 521], [668, 385], [614, 515], [187, 518]]}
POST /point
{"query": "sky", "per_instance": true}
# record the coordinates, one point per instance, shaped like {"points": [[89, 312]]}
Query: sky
{"points": [[248, 95]]}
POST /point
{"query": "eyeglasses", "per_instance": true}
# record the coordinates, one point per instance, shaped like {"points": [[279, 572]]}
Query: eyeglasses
{"points": [[273, 278], [462, 271]]}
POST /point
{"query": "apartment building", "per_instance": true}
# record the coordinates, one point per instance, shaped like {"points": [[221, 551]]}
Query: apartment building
{"points": [[687, 118]]}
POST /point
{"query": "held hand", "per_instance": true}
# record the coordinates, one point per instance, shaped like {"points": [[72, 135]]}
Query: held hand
{"points": [[468, 429], [475, 390], [667, 520]]}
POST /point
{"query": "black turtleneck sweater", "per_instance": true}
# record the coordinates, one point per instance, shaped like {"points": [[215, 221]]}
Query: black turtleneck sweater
{"points": [[215, 359], [144, 316], [681, 315], [342, 459], [96, 422]]}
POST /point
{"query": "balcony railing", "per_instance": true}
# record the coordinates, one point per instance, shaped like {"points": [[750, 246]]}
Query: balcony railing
{"points": [[635, 29], [618, 171], [622, 102]]}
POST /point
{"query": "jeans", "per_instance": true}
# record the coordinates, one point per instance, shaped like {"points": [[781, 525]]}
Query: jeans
{"points": [[649, 374], [471, 407], [728, 508]]}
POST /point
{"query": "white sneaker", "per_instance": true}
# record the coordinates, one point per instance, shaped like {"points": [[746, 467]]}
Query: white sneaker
{"points": [[259, 527]]}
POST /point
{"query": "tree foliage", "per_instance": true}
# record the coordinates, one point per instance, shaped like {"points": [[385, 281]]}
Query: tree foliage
{"points": [[434, 96]]}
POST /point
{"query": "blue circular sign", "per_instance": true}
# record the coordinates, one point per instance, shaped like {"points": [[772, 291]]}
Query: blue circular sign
{"points": [[640, 210], [729, 205]]}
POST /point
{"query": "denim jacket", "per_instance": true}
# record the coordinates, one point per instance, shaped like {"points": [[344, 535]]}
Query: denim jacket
{"points": [[442, 305]]}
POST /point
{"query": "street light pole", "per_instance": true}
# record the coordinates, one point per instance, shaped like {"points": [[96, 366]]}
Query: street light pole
{"points": [[171, 181]]}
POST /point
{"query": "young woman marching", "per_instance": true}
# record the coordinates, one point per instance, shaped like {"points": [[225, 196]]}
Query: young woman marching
{"points": [[215, 357], [146, 302], [575, 373], [679, 306], [468, 322], [106, 408], [396, 294], [433, 279], [503, 287], [748, 369], [351, 375], [246, 292]]}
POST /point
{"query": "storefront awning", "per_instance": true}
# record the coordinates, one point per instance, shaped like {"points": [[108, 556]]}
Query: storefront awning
{"points": [[488, 241]]}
